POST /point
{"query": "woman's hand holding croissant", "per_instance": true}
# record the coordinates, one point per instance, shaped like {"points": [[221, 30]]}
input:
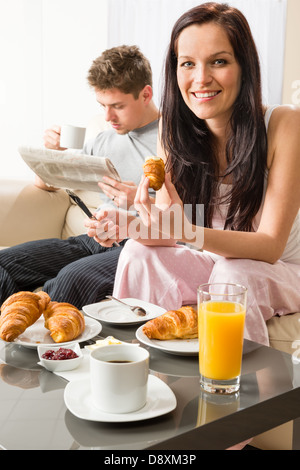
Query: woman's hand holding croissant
{"points": [[165, 218]]}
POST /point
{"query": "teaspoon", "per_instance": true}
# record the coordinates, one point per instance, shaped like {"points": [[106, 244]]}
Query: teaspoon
{"points": [[135, 309]]}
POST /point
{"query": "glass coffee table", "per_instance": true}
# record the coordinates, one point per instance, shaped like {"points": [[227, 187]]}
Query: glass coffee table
{"points": [[33, 413]]}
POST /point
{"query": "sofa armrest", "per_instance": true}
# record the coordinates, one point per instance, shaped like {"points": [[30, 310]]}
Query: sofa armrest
{"points": [[29, 213]]}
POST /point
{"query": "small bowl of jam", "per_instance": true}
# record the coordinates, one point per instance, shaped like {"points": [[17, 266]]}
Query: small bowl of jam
{"points": [[60, 358]]}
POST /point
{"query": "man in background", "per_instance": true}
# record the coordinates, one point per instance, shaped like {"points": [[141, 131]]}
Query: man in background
{"points": [[80, 270]]}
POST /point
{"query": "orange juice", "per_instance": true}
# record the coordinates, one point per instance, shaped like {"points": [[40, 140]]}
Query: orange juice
{"points": [[221, 330]]}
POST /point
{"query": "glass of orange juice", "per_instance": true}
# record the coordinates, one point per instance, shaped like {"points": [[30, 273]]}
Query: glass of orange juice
{"points": [[221, 319]]}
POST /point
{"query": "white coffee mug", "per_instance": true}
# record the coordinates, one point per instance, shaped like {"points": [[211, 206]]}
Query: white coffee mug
{"points": [[119, 377], [72, 137]]}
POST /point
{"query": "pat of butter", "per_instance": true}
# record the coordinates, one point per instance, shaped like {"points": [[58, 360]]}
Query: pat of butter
{"points": [[103, 342]]}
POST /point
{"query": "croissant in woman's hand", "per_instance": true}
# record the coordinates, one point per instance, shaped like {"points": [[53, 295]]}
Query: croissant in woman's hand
{"points": [[19, 311], [64, 321], [154, 169]]}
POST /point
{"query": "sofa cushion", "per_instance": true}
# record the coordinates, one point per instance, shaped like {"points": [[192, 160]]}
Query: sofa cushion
{"points": [[284, 332], [29, 213]]}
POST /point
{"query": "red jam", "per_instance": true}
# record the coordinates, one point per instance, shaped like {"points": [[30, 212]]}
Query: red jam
{"points": [[60, 354]]}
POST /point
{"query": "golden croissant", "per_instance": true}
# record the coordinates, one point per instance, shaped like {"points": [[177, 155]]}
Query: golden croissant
{"points": [[154, 169], [64, 321], [19, 311], [174, 324]]}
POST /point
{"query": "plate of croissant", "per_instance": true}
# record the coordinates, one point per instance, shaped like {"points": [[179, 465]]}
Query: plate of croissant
{"points": [[31, 319], [174, 332]]}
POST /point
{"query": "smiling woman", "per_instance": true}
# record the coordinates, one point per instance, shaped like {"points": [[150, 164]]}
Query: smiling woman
{"points": [[223, 149], [202, 35], [209, 78], [266, 19]]}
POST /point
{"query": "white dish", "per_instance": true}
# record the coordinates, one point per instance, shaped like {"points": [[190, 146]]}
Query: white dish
{"points": [[60, 365], [160, 400], [37, 334], [181, 347], [113, 312]]}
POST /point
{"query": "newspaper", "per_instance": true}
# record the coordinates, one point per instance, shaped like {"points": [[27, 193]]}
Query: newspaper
{"points": [[67, 169]]}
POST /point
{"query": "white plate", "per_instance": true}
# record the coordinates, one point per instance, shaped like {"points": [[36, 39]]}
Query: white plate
{"points": [[160, 400], [112, 312], [37, 334], [181, 347]]}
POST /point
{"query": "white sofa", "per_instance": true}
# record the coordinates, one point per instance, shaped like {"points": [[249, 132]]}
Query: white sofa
{"points": [[29, 213]]}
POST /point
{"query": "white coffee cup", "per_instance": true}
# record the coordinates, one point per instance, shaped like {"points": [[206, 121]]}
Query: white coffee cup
{"points": [[72, 137], [119, 377]]}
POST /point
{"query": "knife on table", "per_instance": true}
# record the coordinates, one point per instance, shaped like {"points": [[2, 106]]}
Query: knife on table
{"points": [[83, 207]]}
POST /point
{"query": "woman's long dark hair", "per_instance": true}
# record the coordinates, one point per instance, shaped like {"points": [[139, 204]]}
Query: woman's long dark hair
{"points": [[189, 143]]}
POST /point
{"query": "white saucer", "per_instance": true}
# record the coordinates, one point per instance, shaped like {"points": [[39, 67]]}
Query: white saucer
{"points": [[180, 347], [112, 312], [160, 400]]}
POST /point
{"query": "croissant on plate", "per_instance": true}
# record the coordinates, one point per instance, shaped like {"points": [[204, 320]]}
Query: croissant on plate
{"points": [[64, 321], [19, 311], [154, 169], [174, 324]]}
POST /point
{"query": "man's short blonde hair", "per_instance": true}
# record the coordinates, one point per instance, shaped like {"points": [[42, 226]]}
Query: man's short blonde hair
{"points": [[124, 68]]}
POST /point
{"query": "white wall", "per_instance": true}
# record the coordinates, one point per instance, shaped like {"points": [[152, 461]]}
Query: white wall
{"points": [[47, 47], [291, 84]]}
